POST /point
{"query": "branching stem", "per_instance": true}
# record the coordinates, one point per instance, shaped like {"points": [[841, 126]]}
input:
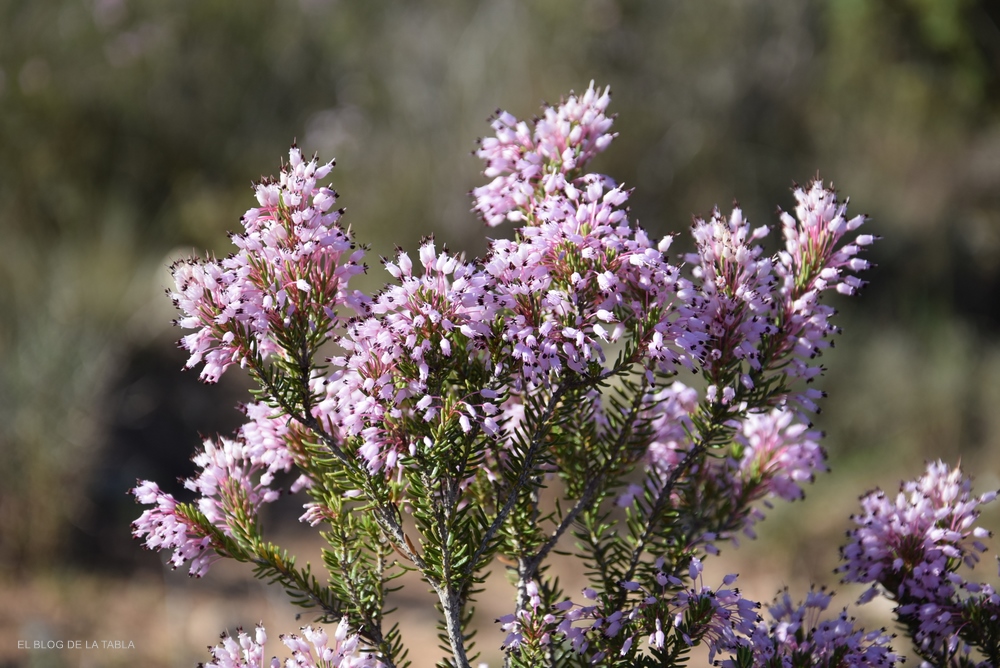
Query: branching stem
{"points": [[527, 470], [595, 485]]}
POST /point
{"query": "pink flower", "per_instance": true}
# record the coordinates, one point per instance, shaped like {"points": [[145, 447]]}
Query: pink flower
{"points": [[520, 160], [578, 276], [813, 262], [165, 528], [291, 269], [232, 483], [316, 649], [242, 651], [267, 436], [779, 454], [913, 544], [733, 310], [425, 321], [799, 633], [313, 649]]}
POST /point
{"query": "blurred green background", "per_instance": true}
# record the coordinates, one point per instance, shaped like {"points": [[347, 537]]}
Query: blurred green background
{"points": [[131, 130]]}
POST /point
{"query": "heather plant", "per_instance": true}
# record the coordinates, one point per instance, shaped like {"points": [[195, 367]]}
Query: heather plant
{"points": [[420, 424]]}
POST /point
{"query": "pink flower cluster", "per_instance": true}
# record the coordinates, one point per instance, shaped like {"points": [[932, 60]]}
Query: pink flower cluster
{"points": [[696, 613], [577, 278], [426, 322], [751, 315], [911, 547], [313, 649], [782, 452], [232, 482], [291, 270], [690, 612], [814, 261], [164, 527], [772, 449], [532, 624], [578, 275], [449, 352], [731, 307], [797, 632], [711, 615], [520, 160], [773, 455]]}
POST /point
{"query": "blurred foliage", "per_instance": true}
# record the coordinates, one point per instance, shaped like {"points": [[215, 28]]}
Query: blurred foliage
{"points": [[130, 130]]}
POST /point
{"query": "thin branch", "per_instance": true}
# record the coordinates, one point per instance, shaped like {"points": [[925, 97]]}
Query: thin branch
{"points": [[296, 580], [386, 515], [373, 625], [594, 485], [659, 505], [451, 606], [522, 480]]}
